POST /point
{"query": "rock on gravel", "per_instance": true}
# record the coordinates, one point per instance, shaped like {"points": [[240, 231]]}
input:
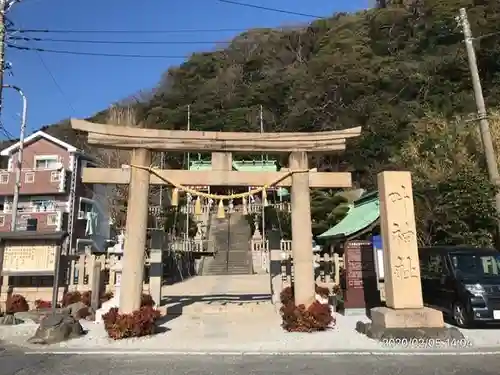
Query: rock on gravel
{"points": [[35, 316], [56, 328]]}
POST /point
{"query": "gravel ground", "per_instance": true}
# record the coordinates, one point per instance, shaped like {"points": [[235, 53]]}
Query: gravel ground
{"points": [[239, 332]]}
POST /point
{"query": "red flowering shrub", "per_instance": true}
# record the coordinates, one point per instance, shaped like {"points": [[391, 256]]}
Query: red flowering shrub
{"points": [[147, 300], [317, 317], [85, 298], [16, 303], [286, 295], [110, 318], [322, 291], [141, 322], [41, 304], [70, 298]]}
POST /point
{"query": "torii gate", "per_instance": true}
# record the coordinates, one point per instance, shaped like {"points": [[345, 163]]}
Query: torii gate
{"points": [[222, 144]]}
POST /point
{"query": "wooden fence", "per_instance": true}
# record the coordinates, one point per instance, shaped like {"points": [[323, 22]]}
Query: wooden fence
{"points": [[82, 266], [176, 266], [327, 267]]}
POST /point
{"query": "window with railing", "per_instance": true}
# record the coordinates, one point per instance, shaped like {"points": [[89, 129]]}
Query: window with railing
{"points": [[42, 205]]}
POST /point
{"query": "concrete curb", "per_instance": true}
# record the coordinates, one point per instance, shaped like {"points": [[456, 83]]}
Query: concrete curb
{"points": [[475, 352]]}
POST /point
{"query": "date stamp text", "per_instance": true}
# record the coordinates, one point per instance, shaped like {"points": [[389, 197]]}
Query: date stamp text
{"points": [[424, 343]]}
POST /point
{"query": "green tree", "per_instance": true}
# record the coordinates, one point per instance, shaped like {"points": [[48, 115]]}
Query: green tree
{"points": [[454, 199], [328, 207]]}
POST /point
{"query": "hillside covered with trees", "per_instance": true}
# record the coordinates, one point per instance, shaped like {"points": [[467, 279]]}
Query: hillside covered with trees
{"points": [[399, 71]]}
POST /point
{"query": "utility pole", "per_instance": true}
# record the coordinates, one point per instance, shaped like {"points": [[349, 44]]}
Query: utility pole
{"points": [[188, 129], [188, 200], [3, 10], [261, 118], [484, 125], [19, 162]]}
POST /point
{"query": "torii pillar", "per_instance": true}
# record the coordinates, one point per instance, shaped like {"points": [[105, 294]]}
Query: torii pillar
{"points": [[135, 233], [302, 253]]}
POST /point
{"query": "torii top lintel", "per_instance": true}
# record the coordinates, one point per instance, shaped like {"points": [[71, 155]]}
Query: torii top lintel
{"points": [[122, 137]]}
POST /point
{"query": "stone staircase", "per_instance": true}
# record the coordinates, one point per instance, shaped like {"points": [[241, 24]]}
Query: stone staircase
{"points": [[231, 240]]}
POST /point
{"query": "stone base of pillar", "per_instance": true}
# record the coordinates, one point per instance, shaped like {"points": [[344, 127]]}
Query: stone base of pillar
{"points": [[423, 326]]}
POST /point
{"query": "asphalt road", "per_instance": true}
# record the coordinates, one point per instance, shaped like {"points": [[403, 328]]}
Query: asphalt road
{"points": [[16, 363]]}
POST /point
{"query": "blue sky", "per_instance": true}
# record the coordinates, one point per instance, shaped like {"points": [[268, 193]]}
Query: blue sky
{"points": [[87, 84]]}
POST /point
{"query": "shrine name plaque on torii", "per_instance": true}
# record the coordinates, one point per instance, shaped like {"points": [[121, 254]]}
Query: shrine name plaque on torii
{"points": [[221, 144]]}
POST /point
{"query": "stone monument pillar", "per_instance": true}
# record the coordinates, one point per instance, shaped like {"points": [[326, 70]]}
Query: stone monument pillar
{"points": [[405, 315]]}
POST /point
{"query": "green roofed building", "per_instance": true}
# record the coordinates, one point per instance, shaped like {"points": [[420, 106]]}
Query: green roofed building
{"points": [[362, 218], [244, 166]]}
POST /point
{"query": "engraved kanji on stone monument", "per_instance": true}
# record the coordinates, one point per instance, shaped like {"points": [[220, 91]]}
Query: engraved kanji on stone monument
{"points": [[399, 238]]}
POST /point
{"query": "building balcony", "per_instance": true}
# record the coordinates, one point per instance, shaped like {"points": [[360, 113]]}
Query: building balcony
{"points": [[47, 221], [34, 181]]}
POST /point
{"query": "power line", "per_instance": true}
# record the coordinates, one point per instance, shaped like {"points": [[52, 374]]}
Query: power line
{"points": [[61, 92], [4, 5], [276, 10], [6, 132], [56, 83], [80, 53], [169, 31], [153, 42]]}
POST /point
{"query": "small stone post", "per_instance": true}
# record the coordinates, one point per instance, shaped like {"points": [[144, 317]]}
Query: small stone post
{"points": [[336, 265], [156, 265], [96, 286], [274, 238]]}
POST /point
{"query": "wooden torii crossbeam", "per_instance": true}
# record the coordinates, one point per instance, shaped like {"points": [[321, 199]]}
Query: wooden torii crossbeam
{"points": [[221, 144]]}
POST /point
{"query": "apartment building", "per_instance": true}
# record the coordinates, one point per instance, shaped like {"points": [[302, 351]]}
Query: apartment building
{"points": [[52, 195]]}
